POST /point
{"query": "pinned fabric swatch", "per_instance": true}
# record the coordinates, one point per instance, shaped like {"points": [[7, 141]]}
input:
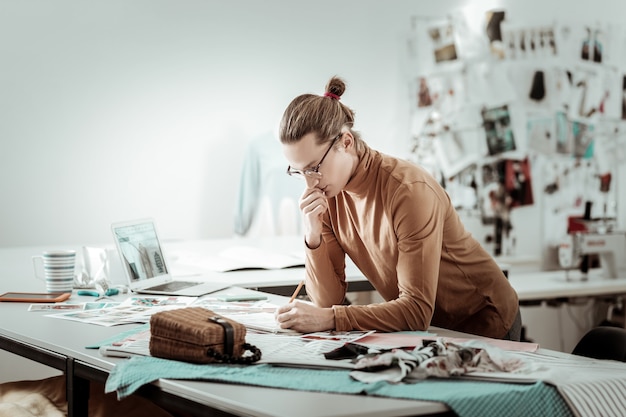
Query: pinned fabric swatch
{"points": [[538, 87]]}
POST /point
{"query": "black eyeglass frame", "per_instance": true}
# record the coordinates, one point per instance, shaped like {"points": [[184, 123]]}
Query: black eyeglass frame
{"points": [[297, 172]]}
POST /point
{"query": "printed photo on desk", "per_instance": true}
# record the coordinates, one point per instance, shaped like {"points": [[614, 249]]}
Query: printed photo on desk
{"points": [[136, 309]]}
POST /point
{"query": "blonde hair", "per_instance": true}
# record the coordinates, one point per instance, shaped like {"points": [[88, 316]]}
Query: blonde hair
{"points": [[323, 115]]}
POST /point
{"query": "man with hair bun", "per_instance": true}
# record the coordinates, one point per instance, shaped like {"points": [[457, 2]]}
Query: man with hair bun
{"points": [[396, 223]]}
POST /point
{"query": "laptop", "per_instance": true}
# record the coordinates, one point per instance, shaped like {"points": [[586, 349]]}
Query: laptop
{"points": [[145, 264]]}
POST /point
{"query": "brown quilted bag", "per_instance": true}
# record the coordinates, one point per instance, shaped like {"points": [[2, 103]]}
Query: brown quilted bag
{"points": [[197, 334]]}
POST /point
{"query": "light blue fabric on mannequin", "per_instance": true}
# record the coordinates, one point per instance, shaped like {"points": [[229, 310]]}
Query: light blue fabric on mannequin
{"points": [[267, 202]]}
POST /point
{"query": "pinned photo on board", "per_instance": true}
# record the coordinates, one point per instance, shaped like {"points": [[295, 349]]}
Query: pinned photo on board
{"points": [[463, 188], [442, 37], [424, 96], [574, 137], [444, 92], [456, 151], [528, 42], [540, 133], [592, 45], [517, 182], [582, 138], [498, 129], [491, 193], [564, 143], [494, 33]]}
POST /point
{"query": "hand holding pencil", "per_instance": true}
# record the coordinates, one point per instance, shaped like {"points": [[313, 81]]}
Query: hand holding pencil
{"points": [[296, 292], [291, 300], [303, 316]]}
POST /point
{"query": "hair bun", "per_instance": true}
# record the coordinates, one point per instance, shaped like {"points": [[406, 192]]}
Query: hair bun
{"points": [[335, 88]]}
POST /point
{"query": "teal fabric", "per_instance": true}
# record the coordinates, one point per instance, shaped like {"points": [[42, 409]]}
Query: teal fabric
{"points": [[466, 398]]}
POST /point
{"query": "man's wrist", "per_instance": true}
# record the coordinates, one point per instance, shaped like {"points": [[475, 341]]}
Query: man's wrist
{"points": [[330, 321], [312, 243]]}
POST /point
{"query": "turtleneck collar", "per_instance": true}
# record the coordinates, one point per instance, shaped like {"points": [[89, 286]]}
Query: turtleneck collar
{"points": [[359, 184]]}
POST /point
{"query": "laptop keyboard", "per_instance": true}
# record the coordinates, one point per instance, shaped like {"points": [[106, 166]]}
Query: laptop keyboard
{"points": [[172, 286]]}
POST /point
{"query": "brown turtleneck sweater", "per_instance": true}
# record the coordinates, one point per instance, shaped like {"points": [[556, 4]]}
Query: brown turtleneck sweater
{"points": [[398, 226]]}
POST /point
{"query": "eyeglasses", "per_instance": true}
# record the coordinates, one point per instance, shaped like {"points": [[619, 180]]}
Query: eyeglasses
{"points": [[308, 172]]}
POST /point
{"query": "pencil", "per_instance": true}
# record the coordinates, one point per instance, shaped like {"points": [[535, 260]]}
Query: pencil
{"points": [[295, 293]]}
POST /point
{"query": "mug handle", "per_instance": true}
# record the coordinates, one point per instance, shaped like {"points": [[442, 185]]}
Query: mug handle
{"points": [[35, 259]]}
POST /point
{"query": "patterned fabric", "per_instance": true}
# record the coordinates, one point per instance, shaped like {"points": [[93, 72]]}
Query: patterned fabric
{"points": [[437, 359], [592, 387]]}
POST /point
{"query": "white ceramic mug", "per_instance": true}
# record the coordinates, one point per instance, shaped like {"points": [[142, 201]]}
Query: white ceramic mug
{"points": [[58, 269]]}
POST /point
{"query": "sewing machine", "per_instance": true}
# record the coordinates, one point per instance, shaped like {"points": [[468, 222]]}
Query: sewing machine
{"points": [[609, 246]]}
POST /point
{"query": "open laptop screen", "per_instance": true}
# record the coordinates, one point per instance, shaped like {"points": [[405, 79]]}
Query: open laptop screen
{"points": [[141, 252]]}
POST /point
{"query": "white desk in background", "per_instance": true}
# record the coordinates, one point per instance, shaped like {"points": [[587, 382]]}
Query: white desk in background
{"points": [[535, 287], [555, 284]]}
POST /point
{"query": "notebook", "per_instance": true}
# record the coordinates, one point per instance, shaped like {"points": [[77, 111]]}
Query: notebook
{"points": [[145, 264]]}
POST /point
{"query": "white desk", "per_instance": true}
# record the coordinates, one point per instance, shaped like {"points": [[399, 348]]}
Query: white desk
{"points": [[60, 344]]}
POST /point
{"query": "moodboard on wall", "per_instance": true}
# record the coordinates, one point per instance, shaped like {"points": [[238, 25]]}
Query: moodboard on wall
{"points": [[501, 101]]}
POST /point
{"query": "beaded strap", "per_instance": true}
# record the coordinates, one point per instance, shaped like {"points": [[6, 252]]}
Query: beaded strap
{"points": [[243, 359]]}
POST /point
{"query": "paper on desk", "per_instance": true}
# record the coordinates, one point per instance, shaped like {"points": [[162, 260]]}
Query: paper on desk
{"points": [[135, 309], [412, 339], [135, 343], [55, 307], [261, 321], [221, 307], [302, 352], [241, 257], [255, 315]]}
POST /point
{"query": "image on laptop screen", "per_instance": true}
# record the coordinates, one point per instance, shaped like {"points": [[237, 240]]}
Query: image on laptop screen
{"points": [[141, 252]]}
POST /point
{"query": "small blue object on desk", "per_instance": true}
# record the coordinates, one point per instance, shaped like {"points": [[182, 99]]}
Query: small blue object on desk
{"points": [[88, 292], [110, 291]]}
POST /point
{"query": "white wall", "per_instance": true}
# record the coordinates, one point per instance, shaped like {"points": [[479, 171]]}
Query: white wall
{"points": [[116, 109]]}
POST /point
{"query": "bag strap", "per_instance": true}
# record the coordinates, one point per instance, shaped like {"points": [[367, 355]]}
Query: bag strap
{"points": [[229, 334], [220, 357], [229, 343]]}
